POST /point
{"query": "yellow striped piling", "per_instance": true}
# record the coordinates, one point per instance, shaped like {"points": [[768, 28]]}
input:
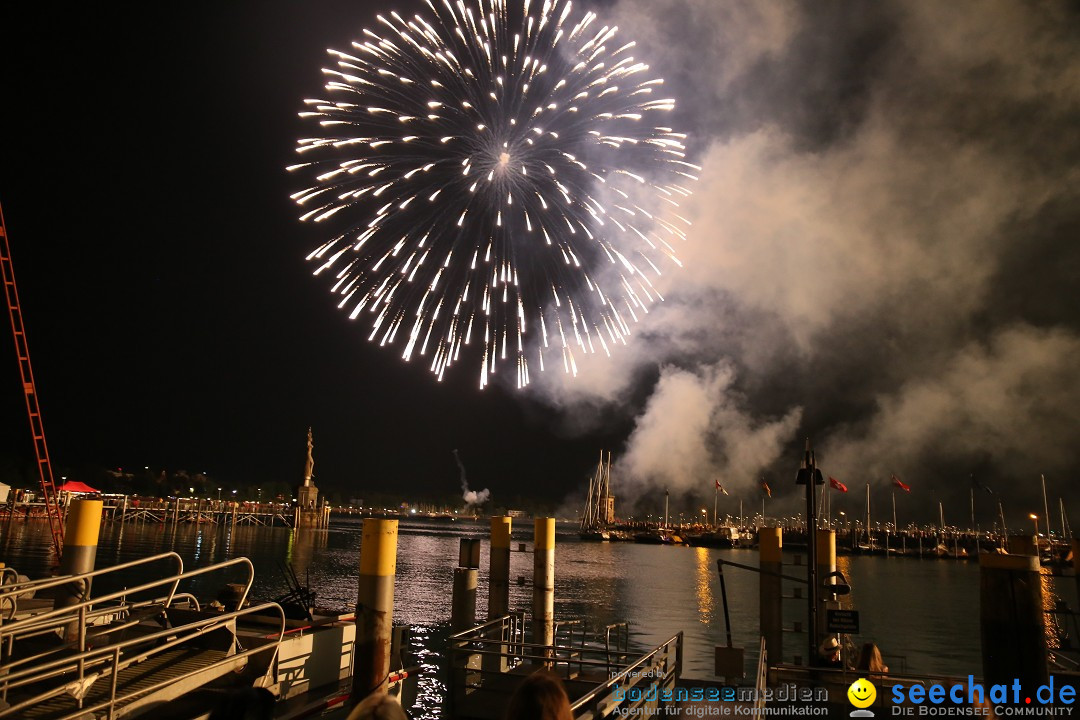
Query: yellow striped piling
{"points": [[499, 568], [825, 549], [375, 607], [543, 605], [80, 550], [771, 616]]}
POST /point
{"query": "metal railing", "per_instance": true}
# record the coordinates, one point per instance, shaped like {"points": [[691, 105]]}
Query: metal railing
{"points": [[109, 660], [9, 593], [761, 677], [480, 655], [80, 666], [632, 687]]}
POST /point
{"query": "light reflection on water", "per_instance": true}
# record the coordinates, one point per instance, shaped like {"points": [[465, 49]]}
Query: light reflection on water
{"points": [[924, 611]]}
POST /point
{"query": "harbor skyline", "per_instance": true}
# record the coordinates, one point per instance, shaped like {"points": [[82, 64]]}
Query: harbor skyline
{"points": [[884, 260]]}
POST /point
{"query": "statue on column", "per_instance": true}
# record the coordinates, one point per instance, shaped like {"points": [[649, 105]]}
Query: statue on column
{"points": [[309, 467], [307, 495]]}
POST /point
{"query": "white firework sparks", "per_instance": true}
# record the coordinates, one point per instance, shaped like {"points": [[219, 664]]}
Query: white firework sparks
{"points": [[497, 177]]}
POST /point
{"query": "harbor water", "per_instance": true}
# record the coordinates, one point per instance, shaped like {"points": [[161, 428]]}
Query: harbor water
{"points": [[924, 614]]}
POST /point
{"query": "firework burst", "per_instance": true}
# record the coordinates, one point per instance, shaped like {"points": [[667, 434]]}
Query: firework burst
{"points": [[494, 175]]}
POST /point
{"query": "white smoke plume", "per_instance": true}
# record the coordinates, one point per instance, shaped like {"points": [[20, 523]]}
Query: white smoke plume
{"points": [[471, 497], [883, 255]]}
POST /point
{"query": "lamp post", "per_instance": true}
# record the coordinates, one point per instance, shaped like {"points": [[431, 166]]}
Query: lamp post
{"points": [[1035, 517]]}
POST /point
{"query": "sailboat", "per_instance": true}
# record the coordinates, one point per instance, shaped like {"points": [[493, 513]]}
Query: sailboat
{"points": [[594, 521]]}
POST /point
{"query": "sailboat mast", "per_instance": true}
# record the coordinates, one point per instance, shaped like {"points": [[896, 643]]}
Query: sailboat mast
{"points": [[869, 535], [607, 491], [1046, 508]]}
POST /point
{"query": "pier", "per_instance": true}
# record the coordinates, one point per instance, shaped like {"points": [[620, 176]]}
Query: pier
{"points": [[127, 509]]}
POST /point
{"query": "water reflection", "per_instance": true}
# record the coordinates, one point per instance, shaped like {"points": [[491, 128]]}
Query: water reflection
{"points": [[704, 585], [925, 611]]}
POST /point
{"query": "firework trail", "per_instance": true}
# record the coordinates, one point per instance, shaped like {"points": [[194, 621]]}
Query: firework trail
{"points": [[494, 174], [471, 497]]}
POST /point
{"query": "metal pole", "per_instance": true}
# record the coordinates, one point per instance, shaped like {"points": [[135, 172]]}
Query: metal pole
{"points": [[716, 496], [544, 581], [894, 511], [499, 568], [80, 551], [811, 557], [375, 607], [770, 610], [1046, 508]]}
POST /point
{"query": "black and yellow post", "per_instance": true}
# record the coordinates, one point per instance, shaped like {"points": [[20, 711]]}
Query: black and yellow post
{"points": [[543, 605], [826, 566], [375, 607], [80, 550], [499, 568], [771, 614], [463, 599]]}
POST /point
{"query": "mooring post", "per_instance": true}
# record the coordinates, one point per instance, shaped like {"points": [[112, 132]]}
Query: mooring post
{"points": [[1012, 620], [770, 543], [80, 549], [499, 592], [463, 599], [499, 568], [543, 605], [1022, 545], [375, 607], [826, 564]]}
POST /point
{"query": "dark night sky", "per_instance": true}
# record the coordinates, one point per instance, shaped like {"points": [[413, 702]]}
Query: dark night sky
{"points": [[886, 238], [171, 316]]}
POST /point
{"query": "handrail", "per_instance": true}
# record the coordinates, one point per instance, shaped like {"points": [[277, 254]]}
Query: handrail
{"points": [[45, 583], [96, 655], [630, 671], [70, 609]]}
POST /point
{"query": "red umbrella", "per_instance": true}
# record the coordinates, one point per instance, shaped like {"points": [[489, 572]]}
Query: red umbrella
{"points": [[74, 486]]}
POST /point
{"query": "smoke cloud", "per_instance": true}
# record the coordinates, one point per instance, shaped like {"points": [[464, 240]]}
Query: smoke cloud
{"points": [[883, 254], [471, 497]]}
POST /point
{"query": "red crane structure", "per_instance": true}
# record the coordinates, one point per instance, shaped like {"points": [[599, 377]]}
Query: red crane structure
{"points": [[48, 487]]}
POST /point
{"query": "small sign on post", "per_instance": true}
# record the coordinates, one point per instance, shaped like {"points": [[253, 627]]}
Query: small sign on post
{"points": [[842, 621]]}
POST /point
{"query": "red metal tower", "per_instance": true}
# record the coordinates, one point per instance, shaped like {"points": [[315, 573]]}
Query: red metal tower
{"points": [[48, 488]]}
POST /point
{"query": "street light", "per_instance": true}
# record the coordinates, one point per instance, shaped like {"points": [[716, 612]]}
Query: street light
{"points": [[1035, 517], [219, 494]]}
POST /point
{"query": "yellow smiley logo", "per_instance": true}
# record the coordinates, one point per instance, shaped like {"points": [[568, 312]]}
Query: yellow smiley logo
{"points": [[862, 693]]}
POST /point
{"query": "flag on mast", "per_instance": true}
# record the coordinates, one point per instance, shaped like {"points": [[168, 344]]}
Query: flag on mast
{"points": [[836, 484], [765, 488], [896, 482], [721, 487]]}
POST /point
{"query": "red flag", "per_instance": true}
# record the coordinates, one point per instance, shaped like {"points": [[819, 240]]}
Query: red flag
{"points": [[896, 482], [833, 482], [765, 488], [721, 487]]}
